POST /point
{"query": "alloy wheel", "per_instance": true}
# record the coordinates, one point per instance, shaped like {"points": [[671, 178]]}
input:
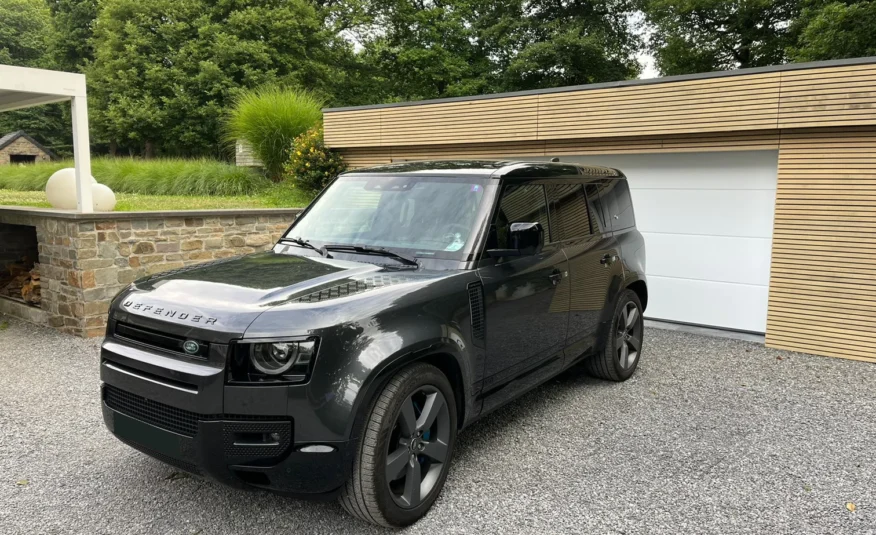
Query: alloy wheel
{"points": [[628, 342], [418, 447]]}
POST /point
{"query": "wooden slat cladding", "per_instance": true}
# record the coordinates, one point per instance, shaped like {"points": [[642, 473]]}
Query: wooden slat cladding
{"points": [[823, 275], [715, 105], [358, 157], [806, 98], [835, 96]]}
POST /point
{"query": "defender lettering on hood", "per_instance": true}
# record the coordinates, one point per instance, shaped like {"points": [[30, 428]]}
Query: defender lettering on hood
{"points": [[170, 313]]}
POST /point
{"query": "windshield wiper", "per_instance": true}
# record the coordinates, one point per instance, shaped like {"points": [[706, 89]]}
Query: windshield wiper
{"points": [[306, 243], [407, 260]]}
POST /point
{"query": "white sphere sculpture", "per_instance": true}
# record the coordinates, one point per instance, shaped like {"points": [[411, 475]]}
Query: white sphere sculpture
{"points": [[104, 199], [61, 191]]}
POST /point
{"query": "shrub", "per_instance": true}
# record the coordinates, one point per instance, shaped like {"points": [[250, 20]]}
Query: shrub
{"points": [[269, 119], [312, 165], [165, 176]]}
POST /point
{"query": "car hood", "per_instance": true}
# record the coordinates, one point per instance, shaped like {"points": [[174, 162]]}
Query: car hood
{"points": [[228, 295]]}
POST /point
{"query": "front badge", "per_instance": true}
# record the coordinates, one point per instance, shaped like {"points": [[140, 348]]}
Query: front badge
{"points": [[191, 347]]}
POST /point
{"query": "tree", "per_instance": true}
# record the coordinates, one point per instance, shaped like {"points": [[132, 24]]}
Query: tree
{"points": [[445, 48], [551, 43], [25, 36], [25, 32], [692, 36], [421, 49], [831, 29], [165, 71], [73, 21]]}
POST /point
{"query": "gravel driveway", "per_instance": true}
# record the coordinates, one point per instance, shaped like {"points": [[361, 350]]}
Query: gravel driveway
{"points": [[710, 435]]}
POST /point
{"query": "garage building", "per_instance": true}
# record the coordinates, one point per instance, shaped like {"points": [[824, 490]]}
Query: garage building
{"points": [[755, 189]]}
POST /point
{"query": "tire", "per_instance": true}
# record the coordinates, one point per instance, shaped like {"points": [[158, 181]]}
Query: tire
{"points": [[412, 397], [614, 363]]}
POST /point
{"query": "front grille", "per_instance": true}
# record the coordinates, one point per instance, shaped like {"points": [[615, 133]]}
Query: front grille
{"points": [[179, 421], [158, 340], [152, 412]]}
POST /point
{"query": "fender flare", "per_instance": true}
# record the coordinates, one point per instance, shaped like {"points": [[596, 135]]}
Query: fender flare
{"points": [[381, 374]]}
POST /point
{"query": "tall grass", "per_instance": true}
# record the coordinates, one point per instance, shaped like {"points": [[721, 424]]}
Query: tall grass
{"points": [[269, 119], [166, 176]]}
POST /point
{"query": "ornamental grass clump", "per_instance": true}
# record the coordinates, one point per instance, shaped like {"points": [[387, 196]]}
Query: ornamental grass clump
{"points": [[269, 119], [311, 164], [161, 176]]}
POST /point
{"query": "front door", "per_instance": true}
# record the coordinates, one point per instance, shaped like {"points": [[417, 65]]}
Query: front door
{"points": [[527, 302]]}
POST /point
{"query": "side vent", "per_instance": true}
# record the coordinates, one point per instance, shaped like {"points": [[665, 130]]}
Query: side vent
{"points": [[476, 302]]}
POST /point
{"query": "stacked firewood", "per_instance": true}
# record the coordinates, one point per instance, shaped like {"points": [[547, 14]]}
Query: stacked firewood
{"points": [[21, 282]]}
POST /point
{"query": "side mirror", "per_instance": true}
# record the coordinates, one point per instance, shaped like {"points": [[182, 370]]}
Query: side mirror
{"points": [[526, 239]]}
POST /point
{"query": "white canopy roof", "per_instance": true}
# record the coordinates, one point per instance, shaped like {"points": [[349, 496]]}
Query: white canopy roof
{"points": [[22, 87]]}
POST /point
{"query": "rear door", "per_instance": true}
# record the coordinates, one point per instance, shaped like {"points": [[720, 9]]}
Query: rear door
{"points": [[526, 301], [595, 269]]}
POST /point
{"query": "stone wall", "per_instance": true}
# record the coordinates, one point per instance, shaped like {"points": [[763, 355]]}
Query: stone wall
{"points": [[22, 146], [86, 259]]}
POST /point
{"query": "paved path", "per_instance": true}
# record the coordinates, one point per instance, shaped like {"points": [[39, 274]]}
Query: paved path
{"points": [[710, 436]]}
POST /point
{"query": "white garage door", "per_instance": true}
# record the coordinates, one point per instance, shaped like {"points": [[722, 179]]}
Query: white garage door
{"points": [[707, 219]]}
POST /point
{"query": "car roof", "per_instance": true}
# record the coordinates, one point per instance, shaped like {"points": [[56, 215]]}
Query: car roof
{"points": [[493, 169]]}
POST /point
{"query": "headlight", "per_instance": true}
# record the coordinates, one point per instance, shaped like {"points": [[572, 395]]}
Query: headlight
{"points": [[276, 358], [273, 361]]}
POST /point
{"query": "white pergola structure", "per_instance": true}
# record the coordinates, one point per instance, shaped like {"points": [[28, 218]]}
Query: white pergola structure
{"points": [[22, 87]]}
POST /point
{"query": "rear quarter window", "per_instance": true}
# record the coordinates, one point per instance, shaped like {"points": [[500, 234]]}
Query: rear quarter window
{"points": [[618, 205]]}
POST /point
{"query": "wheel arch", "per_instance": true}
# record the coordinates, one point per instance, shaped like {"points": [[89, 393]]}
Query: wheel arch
{"points": [[447, 363], [641, 290]]}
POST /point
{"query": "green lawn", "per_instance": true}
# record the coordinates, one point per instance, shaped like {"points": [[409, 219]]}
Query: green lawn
{"points": [[161, 184], [130, 202]]}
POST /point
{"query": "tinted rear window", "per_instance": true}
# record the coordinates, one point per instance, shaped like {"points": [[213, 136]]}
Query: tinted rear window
{"points": [[618, 205]]}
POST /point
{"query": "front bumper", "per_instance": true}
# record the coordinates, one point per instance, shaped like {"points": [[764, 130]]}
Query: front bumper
{"points": [[182, 413], [228, 449]]}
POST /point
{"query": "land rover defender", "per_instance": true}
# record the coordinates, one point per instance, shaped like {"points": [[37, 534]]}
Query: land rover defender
{"points": [[403, 304]]}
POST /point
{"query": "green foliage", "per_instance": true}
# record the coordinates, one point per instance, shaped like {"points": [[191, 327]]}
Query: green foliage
{"points": [[132, 202], [270, 118], [548, 43], [692, 36], [312, 165], [166, 71], [830, 29], [25, 32], [465, 47], [166, 176], [25, 37], [71, 44]]}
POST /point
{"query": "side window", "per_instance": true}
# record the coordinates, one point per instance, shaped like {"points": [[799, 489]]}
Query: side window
{"points": [[624, 204], [594, 192], [618, 205], [519, 204], [570, 217]]}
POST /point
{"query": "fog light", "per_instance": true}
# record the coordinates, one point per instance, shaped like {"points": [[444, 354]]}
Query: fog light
{"points": [[316, 448]]}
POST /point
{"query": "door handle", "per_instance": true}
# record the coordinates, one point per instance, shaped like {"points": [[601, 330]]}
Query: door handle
{"points": [[608, 259], [556, 276]]}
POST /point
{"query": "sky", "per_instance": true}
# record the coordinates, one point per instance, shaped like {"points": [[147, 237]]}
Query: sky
{"points": [[649, 70]]}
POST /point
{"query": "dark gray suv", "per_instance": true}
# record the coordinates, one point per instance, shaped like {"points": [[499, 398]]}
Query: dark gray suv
{"points": [[406, 302]]}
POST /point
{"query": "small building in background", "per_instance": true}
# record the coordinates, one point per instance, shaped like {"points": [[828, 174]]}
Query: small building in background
{"points": [[18, 147], [244, 156]]}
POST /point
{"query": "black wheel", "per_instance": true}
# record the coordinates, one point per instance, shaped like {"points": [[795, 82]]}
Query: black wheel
{"points": [[623, 345], [405, 449]]}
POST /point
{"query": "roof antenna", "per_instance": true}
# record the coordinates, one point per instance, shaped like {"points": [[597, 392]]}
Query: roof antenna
{"points": [[555, 159]]}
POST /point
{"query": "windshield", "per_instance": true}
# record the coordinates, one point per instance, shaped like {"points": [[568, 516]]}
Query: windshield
{"points": [[435, 217]]}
